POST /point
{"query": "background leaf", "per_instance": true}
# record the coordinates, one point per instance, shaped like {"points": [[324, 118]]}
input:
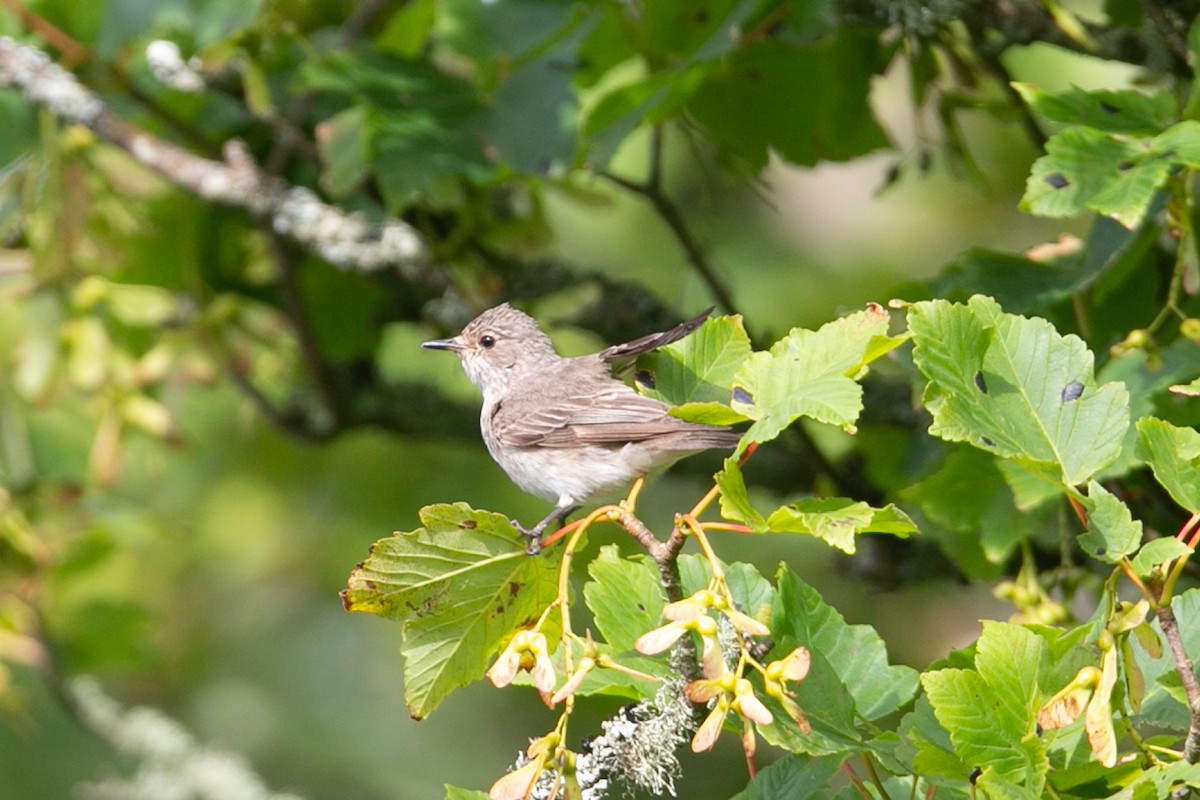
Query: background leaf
{"points": [[1016, 387], [748, 103], [1120, 111], [1174, 456]]}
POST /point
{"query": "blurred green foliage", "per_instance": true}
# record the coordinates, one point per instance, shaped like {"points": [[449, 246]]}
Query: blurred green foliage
{"points": [[203, 425]]}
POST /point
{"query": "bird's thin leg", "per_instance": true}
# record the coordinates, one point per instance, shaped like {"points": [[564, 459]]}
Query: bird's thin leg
{"points": [[561, 511]]}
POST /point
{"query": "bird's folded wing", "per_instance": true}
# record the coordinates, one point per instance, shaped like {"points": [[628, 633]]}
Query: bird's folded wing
{"points": [[606, 417]]}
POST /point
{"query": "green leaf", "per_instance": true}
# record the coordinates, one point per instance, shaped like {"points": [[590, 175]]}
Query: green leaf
{"points": [[748, 104], [1032, 485], [990, 712], [342, 141], [1158, 551], [1023, 284], [735, 503], [809, 374], [411, 150], [461, 584], [257, 88], [408, 28], [927, 746], [701, 367], [625, 596], [1112, 174], [1188, 389], [993, 786], [969, 496], [1016, 387], [1165, 704], [1179, 143], [707, 414], [1146, 376], [856, 652], [1174, 456], [455, 793], [1121, 111], [1112, 532], [673, 31], [752, 593], [529, 122], [837, 520], [1165, 777], [791, 776]]}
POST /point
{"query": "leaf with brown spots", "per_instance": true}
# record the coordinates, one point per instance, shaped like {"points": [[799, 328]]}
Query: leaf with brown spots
{"points": [[461, 584]]}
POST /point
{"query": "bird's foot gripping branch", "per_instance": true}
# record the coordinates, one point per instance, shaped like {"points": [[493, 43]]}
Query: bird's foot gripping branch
{"points": [[699, 645]]}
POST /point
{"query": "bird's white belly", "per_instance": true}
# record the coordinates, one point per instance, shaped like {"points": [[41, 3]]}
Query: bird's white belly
{"points": [[581, 474]]}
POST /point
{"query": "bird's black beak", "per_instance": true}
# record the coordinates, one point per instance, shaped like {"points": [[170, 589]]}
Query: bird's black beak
{"points": [[454, 345]]}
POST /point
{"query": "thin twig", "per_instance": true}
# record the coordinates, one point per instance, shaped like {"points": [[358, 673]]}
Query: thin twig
{"points": [[1158, 17], [869, 763], [292, 302], [652, 190], [285, 145], [73, 52], [856, 781], [1126, 567], [1187, 674]]}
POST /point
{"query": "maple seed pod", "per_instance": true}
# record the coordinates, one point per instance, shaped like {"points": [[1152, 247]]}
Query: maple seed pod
{"points": [[706, 735], [712, 658], [749, 706], [792, 667], [586, 665], [542, 748], [796, 713], [749, 743], [660, 639], [705, 626], [701, 691], [1069, 702], [517, 784], [501, 673], [745, 623], [683, 610]]}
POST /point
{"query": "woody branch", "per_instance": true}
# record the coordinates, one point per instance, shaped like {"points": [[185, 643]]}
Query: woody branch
{"points": [[347, 240]]}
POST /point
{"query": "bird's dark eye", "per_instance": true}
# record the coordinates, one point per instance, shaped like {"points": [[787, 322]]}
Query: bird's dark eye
{"points": [[487, 340]]}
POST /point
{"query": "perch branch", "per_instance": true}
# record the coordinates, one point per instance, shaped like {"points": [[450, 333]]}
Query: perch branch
{"points": [[344, 239]]}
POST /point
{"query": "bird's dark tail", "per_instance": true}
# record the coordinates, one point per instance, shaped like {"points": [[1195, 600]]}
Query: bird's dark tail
{"points": [[653, 341]]}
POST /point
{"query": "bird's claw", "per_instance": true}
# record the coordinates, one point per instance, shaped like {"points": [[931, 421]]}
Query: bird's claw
{"points": [[534, 535]]}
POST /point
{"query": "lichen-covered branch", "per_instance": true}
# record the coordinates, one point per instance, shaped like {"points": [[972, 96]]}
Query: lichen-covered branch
{"points": [[346, 239], [1187, 674]]}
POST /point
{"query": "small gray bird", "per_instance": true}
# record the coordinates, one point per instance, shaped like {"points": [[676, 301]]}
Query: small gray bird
{"points": [[565, 429]]}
